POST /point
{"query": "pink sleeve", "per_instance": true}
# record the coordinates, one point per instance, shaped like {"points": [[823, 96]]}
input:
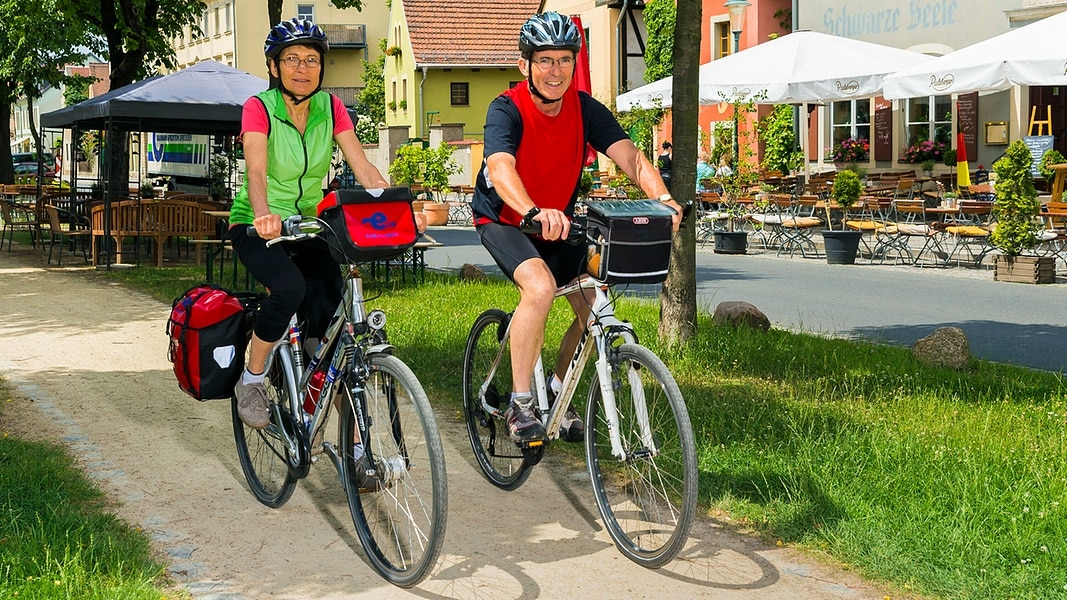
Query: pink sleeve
{"points": [[341, 120], [254, 117]]}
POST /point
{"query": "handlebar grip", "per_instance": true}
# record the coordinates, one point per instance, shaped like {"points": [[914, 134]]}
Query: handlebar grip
{"points": [[574, 238]]}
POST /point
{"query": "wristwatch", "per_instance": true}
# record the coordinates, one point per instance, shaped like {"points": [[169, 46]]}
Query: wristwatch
{"points": [[527, 219], [665, 198]]}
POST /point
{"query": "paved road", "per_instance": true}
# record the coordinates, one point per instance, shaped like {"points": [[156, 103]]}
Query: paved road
{"points": [[1005, 322]]}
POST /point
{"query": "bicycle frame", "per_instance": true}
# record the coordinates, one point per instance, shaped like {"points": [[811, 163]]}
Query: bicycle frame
{"points": [[349, 320], [601, 328]]}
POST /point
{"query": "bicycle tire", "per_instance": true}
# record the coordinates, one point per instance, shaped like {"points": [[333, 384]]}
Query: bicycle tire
{"points": [[499, 458], [264, 455], [401, 524], [647, 502]]}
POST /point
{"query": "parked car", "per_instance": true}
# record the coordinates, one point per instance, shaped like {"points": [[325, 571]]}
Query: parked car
{"points": [[24, 169]]}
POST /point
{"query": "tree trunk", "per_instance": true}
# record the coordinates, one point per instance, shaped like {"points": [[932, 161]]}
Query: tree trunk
{"points": [[678, 296]]}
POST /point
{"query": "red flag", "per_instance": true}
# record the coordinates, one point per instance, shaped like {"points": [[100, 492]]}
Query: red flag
{"points": [[583, 79], [963, 171]]}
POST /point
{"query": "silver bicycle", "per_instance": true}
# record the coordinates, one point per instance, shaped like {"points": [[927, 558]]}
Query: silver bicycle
{"points": [[387, 452], [638, 438]]}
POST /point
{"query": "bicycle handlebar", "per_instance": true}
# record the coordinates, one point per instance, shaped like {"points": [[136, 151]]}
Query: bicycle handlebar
{"points": [[296, 227], [574, 238]]}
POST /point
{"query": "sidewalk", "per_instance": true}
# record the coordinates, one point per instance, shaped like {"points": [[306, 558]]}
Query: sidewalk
{"points": [[87, 362]]}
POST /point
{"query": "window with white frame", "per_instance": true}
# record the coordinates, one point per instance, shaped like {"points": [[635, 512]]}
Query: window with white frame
{"points": [[306, 11], [928, 118], [850, 119], [229, 17]]}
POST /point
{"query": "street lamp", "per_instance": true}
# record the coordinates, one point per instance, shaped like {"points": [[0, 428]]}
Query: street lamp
{"points": [[737, 9]]}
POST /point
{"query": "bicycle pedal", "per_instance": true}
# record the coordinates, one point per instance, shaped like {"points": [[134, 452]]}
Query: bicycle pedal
{"points": [[531, 444]]}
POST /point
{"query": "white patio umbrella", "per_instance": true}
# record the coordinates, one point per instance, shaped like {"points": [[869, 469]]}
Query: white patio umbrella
{"points": [[1030, 55], [798, 68], [803, 66]]}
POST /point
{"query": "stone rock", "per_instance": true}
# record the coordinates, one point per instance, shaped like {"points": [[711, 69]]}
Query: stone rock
{"points": [[735, 313], [469, 272], [945, 347]]}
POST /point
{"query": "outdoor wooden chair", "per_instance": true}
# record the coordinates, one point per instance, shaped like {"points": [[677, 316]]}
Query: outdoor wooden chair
{"points": [[19, 218], [912, 222], [61, 235]]}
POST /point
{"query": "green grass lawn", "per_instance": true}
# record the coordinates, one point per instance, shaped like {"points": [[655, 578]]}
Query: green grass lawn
{"points": [[947, 484]]}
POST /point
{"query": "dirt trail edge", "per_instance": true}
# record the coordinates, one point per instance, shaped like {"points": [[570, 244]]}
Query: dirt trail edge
{"points": [[87, 361]]}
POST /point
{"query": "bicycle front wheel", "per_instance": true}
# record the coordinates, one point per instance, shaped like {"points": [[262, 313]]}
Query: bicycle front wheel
{"points": [[399, 511], [647, 495], [499, 458], [264, 455]]}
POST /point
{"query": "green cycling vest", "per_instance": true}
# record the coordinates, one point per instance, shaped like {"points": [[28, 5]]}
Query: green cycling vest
{"points": [[296, 165]]}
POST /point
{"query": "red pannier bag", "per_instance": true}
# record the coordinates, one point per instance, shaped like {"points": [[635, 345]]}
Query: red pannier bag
{"points": [[369, 224], [208, 329]]}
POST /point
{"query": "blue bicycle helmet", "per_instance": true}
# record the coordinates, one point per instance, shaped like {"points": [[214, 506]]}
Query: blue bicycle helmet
{"points": [[293, 32], [549, 31]]}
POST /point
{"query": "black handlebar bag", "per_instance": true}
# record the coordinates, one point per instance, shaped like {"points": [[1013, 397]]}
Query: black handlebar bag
{"points": [[369, 224], [629, 240]]}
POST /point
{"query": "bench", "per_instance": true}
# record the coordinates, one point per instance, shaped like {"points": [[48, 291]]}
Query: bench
{"points": [[157, 220]]}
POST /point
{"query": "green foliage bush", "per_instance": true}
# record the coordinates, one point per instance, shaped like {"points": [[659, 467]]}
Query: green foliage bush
{"points": [[1016, 205]]}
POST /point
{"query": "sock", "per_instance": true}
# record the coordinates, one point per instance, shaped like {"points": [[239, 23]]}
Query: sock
{"points": [[249, 378], [357, 451], [555, 384], [522, 398]]}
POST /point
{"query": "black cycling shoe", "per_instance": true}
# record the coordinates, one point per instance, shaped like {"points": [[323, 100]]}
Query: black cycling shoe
{"points": [[572, 429], [523, 425]]}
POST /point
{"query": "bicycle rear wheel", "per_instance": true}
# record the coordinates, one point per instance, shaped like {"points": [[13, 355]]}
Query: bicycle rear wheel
{"points": [[400, 517], [263, 453], [499, 458], [648, 496]]}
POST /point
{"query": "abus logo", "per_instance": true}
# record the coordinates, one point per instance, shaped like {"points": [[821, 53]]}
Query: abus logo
{"points": [[379, 221], [640, 220], [847, 87], [942, 83]]}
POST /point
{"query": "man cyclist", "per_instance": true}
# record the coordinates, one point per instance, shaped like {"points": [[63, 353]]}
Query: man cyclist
{"points": [[535, 139], [288, 134]]}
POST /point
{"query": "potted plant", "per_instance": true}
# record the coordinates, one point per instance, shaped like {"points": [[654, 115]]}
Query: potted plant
{"points": [[1016, 209], [392, 51], [147, 190], [737, 185], [928, 167], [842, 245], [431, 169]]}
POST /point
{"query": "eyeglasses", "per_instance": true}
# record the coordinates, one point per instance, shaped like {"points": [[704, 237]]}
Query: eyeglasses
{"points": [[545, 63], [294, 62]]}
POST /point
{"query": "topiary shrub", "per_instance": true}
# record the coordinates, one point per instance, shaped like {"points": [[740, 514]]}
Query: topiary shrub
{"points": [[1016, 206]]}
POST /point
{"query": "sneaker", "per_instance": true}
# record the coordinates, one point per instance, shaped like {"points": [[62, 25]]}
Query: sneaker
{"points": [[252, 404], [523, 426], [364, 482], [572, 429]]}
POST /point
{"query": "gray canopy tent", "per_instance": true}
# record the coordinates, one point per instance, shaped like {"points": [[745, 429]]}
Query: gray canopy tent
{"points": [[206, 98]]}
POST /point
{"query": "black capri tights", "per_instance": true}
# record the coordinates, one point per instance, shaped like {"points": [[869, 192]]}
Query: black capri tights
{"points": [[301, 277]]}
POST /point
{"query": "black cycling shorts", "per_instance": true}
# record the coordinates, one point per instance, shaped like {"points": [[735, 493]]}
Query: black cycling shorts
{"points": [[510, 247]]}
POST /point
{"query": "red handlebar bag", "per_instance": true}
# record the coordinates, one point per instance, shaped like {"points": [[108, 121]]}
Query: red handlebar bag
{"points": [[370, 224]]}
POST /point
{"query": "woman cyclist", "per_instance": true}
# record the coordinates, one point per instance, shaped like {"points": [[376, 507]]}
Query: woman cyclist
{"points": [[288, 133]]}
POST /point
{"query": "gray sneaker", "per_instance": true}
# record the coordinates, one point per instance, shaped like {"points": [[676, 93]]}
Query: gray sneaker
{"points": [[252, 404]]}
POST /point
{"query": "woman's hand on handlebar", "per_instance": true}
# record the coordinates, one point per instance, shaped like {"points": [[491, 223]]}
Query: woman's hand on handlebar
{"points": [[268, 226], [554, 224]]}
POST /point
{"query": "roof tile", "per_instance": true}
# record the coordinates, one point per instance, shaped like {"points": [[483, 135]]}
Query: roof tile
{"points": [[466, 32]]}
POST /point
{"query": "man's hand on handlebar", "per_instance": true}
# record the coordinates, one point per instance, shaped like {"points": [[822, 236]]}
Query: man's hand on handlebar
{"points": [[554, 224], [268, 226]]}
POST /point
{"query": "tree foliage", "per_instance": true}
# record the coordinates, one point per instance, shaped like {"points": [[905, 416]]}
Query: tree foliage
{"points": [[35, 43], [659, 17], [371, 107], [1017, 204]]}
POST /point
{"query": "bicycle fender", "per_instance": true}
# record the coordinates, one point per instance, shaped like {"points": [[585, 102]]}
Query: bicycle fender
{"points": [[380, 349]]}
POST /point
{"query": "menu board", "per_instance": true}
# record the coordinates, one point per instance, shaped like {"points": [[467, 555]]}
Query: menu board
{"points": [[1038, 145], [883, 129], [967, 116]]}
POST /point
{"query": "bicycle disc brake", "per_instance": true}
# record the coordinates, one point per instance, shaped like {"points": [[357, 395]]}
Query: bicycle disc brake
{"points": [[298, 464]]}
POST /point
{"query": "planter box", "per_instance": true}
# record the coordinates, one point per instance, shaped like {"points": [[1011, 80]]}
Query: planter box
{"points": [[1025, 269], [731, 242], [841, 247]]}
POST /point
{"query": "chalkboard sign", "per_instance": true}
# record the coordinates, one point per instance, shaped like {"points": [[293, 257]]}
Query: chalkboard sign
{"points": [[967, 112], [883, 129], [1038, 145]]}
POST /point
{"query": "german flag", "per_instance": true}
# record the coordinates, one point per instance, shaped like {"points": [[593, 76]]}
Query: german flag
{"points": [[963, 171]]}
